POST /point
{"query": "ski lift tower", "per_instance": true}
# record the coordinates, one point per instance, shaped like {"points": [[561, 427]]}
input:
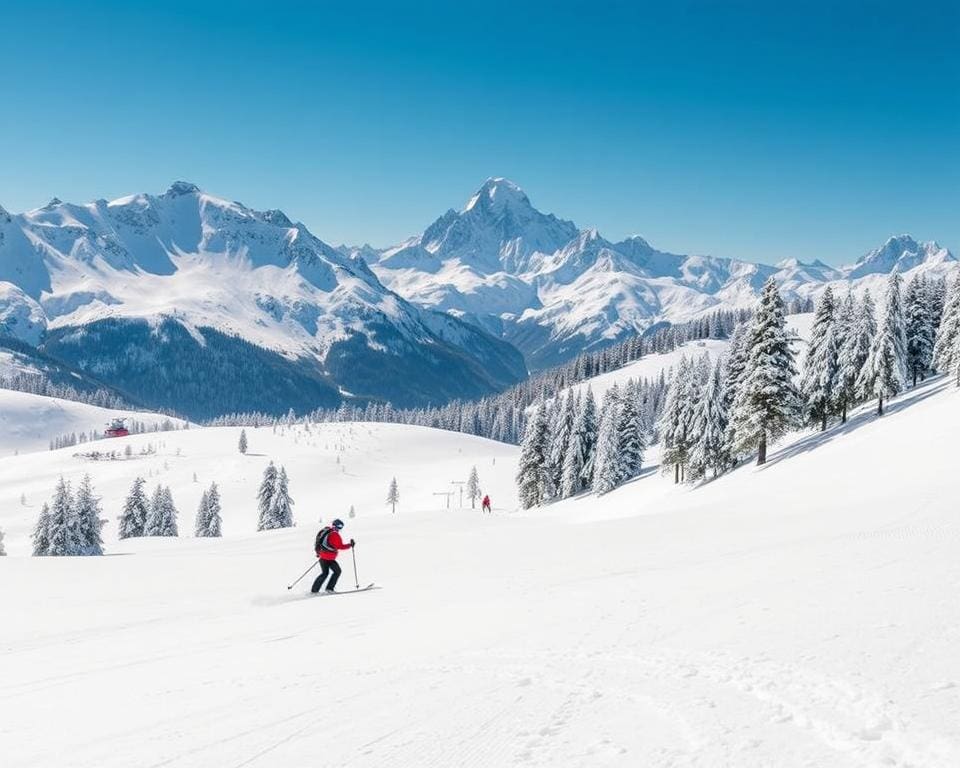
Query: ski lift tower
{"points": [[461, 483], [448, 494]]}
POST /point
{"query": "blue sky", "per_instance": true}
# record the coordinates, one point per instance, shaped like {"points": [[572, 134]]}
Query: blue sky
{"points": [[757, 130]]}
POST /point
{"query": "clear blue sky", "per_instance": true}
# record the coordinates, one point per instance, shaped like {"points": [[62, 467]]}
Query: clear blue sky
{"points": [[762, 130]]}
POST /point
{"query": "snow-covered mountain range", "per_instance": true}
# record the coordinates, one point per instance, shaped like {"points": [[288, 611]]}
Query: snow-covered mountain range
{"points": [[181, 294], [191, 302], [553, 290]]}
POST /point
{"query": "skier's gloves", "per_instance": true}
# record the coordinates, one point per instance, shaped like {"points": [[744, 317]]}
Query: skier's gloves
{"points": [[352, 543]]}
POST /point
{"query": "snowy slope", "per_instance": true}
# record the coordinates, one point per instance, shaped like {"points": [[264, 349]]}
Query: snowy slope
{"points": [[553, 291], [803, 614], [28, 422], [108, 274], [652, 365]]}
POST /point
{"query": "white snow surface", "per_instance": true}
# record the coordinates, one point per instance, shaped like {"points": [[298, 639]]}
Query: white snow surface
{"points": [[800, 614], [28, 422]]}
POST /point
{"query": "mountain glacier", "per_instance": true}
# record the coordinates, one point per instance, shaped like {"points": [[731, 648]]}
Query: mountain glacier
{"points": [[553, 290]]}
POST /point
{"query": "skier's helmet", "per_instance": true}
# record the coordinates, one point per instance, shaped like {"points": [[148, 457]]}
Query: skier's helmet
{"points": [[338, 523]]}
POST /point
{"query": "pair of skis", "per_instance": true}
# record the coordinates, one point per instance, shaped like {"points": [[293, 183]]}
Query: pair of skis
{"points": [[347, 591]]}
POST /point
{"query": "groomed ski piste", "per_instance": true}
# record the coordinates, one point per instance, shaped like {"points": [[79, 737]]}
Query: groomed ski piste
{"points": [[800, 614]]}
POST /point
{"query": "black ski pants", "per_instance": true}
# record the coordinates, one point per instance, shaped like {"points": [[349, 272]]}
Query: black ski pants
{"points": [[327, 567]]}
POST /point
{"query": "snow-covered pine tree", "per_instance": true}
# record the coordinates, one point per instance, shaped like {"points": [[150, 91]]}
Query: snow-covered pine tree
{"points": [[608, 471], [64, 533], [135, 510], [675, 419], [209, 522], [884, 373], [3, 552], [281, 504], [533, 478], [200, 525], [560, 432], [846, 333], [629, 434], [243, 441], [168, 525], [41, 532], [936, 300], [154, 520], [710, 451], [821, 368], [473, 487], [393, 495], [919, 328], [268, 485], [579, 460], [735, 369], [88, 511], [768, 403], [352, 513], [949, 329]]}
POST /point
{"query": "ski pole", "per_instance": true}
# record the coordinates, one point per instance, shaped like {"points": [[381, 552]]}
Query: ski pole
{"points": [[304, 573], [353, 551]]}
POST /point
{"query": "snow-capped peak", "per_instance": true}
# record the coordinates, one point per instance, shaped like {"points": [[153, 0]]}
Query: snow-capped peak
{"points": [[179, 188], [900, 252], [498, 193]]}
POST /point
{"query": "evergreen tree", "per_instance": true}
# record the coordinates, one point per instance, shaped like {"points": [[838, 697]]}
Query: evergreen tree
{"points": [[710, 450], [848, 362], [135, 509], [64, 531], [200, 524], [735, 369], [393, 495], [609, 471], [88, 511], [884, 373], [629, 434], [41, 532], [920, 331], [821, 369], [281, 505], [153, 522], [533, 478], [473, 487], [243, 441], [767, 404], [268, 485], [162, 517], [579, 459], [936, 300], [560, 432], [209, 522], [949, 329], [676, 420]]}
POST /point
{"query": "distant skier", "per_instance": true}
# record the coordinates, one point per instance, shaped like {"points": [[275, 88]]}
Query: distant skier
{"points": [[485, 505], [327, 545]]}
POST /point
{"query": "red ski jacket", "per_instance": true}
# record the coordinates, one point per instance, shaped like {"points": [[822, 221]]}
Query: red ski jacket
{"points": [[328, 542]]}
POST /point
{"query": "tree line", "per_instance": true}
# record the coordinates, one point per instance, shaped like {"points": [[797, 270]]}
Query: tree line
{"points": [[716, 413]]}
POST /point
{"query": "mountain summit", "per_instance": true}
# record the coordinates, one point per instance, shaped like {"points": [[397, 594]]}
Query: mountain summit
{"points": [[171, 281], [554, 290]]}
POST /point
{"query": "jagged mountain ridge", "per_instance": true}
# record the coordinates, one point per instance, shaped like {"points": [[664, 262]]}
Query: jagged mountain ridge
{"points": [[71, 273], [554, 290]]}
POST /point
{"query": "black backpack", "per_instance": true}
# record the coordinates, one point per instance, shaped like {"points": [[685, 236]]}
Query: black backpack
{"points": [[321, 544]]}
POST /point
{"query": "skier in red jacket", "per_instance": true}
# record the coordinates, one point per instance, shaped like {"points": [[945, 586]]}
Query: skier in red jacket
{"points": [[485, 504], [328, 544]]}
